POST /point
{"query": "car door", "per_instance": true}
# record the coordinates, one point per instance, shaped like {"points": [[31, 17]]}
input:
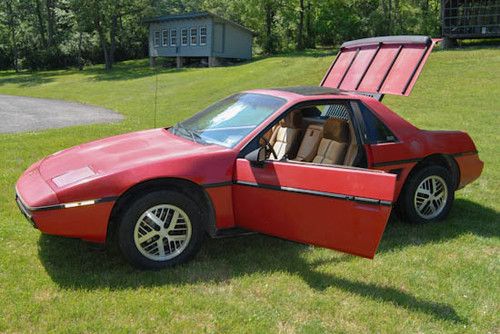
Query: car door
{"points": [[340, 208]]}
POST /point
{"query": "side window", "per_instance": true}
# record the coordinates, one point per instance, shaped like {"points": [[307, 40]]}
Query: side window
{"points": [[173, 37], [157, 38], [203, 35], [194, 36], [164, 38], [376, 131], [184, 37]]}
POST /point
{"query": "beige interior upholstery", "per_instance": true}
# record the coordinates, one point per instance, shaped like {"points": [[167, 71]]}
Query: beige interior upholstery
{"points": [[352, 149], [267, 136], [332, 148], [310, 142], [286, 136]]}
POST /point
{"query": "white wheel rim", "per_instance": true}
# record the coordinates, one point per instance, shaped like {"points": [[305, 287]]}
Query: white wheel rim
{"points": [[162, 232], [430, 197]]}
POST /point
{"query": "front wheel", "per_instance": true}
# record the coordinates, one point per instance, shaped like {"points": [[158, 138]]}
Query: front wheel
{"points": [[427, 195], [160, 229]]}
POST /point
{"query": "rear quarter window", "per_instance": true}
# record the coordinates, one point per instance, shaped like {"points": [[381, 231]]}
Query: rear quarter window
{"points": [[376, 131]]}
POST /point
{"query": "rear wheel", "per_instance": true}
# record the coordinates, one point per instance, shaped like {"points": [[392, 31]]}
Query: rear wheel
{"points": [[427, 196], [160, 229]]}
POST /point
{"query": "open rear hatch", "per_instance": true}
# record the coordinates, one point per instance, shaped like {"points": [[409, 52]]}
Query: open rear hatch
{"points": [[379, 65]]}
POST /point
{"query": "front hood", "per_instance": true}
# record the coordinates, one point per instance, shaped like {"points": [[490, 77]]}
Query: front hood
{"points": [[117, 153]]}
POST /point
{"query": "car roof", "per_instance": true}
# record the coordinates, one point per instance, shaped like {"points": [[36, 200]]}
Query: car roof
{"points": [[309, 90], [300, 92]]}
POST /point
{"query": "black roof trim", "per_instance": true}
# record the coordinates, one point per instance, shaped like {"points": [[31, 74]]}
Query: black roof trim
{"points": [[193, 15], [405, 39]]}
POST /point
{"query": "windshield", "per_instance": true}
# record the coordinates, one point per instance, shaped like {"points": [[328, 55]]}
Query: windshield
{"points": [[227, 122]]}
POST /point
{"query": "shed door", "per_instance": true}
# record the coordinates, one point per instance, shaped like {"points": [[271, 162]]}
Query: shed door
{"points": [[218, 38], [383, 65]]}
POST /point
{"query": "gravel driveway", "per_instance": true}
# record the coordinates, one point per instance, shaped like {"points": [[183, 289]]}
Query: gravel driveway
{"points": [[22, 114]]}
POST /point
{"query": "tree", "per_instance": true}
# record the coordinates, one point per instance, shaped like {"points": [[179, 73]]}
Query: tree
{"points": [[51, 21], [102, 17], [310, 30], [270, 43], [300, 30], [11, 10], [41, 22], [305, 27], [45, 34]]}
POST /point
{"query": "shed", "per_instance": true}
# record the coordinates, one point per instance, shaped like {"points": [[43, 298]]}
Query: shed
{"points": [[198, 35], [462, 19]]}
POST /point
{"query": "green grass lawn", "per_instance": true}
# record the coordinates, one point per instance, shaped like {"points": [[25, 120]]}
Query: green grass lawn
{"points": [[436, 278]]}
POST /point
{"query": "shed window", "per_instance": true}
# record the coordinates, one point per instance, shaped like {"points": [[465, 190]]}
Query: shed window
{"points": [[173, 37], [203, 35], [184, 37], [157, 38], [194, 36], [164, 37]]}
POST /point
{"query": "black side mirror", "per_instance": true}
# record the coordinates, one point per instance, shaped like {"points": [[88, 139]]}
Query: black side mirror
{"points": [[257, 157]]}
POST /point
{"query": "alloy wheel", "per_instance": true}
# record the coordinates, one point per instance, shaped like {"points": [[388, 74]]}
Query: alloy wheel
{"points": [[162, 232], [430, 197]]}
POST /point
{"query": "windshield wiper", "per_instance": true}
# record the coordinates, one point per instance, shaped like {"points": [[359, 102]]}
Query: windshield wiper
{"points": [[191, 133]]}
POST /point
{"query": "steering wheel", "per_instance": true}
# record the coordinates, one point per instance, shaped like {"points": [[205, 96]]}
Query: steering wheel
{"points": [[269, 147]]}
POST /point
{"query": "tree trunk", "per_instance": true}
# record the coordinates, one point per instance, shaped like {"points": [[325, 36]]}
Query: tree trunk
{"points": [[269, 43], [12, 30], [50, 22], [14, 49], [310, 41], [300, 30], [80, 58], [114, 27], [107, 59], [104, 44], [41, 25]]}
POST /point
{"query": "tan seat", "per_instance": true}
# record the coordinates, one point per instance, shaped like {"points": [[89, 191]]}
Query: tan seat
{"points": [[310, 142], [333, 146], [352, 149], [286, 136]]}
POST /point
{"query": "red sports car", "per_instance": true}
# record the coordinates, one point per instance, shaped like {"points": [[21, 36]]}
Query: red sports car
{"points": [[319, 165]]}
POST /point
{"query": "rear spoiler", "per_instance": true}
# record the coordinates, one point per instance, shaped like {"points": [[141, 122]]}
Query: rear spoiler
{"points": [[388, 40]]}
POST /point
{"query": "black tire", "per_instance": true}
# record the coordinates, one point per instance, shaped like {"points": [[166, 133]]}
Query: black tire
{"points": [[407, 205], [129, 220]]}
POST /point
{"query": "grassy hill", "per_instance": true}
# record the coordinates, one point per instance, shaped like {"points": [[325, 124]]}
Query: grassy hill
{"points": [[435, 278]]}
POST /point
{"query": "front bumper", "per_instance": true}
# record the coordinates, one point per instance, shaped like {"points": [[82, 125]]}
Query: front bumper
{"points": [[25, 210], [86, 220]]}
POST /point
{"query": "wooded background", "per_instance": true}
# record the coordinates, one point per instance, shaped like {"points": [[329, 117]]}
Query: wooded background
{"points": [[49, 34]]}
